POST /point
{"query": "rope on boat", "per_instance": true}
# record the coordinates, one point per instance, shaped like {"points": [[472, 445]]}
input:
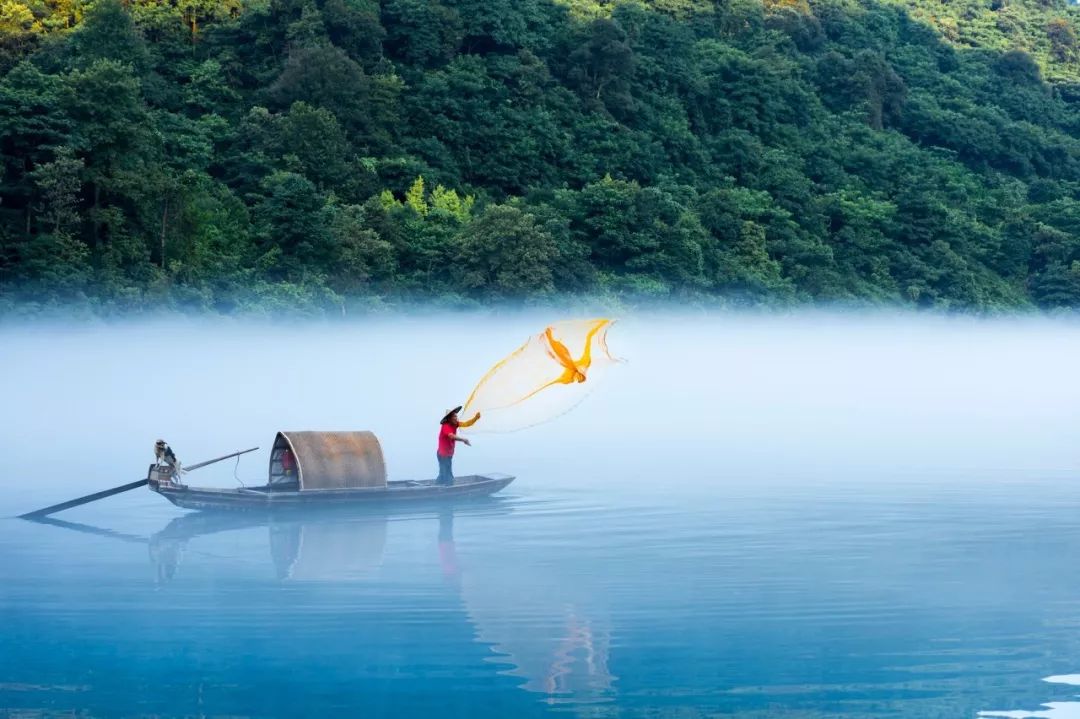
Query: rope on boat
{"points": [[235, 471]]}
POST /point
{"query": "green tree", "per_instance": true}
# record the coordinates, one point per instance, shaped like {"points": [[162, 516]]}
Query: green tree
{"points": [[1057, 286], [293, 227], [104, 102], [314, 138], [59, 185], [231, 156], [422, 32], [32, 122], [353, 25], [324, 76], [504, 253], [196, 12], [20, 30], [1063, 40], [603, 67], [108, 33], [364, 261]]}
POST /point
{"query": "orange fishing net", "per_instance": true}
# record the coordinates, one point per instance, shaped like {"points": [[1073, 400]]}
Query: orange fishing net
{"points": [[543, 378]]}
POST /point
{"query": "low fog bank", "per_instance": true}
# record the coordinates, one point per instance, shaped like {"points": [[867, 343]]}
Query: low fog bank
{"points": [[703, 399]]}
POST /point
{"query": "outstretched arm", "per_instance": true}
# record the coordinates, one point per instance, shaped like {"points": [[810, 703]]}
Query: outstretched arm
{"points": [[470, 422]]}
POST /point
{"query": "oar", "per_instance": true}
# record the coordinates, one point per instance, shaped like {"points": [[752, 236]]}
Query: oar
{"points": [[83, 500], [117, 490]]}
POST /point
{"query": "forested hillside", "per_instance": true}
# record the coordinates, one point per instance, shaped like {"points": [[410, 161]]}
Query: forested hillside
{"points": [[315, 154]]}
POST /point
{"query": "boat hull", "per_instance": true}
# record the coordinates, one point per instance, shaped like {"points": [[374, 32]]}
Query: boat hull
{"points": [[264, 499]]}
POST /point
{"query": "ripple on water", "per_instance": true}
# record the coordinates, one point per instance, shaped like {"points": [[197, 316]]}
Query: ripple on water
{"points": [[1051, 710]]}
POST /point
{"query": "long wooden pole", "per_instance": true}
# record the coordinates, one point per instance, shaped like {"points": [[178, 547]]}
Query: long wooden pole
{"points": [[117, 490], [218, 459], [83, 500]]}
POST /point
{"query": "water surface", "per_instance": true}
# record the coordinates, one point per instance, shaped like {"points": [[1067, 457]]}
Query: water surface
{"points": [[872, 519]]}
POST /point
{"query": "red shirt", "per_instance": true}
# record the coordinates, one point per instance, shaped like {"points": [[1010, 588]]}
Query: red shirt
{"points": [[446, 445]]}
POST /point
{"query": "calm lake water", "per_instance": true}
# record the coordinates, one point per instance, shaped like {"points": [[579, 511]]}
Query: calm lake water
{"points": [[867, 520]]}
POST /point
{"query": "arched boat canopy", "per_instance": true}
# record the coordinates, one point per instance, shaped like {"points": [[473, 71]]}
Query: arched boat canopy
{"points": [[329, 460]]}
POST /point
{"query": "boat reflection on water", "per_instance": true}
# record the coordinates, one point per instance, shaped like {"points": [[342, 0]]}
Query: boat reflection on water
{"points": [[555, 638], [314, 547], [327, 551]]}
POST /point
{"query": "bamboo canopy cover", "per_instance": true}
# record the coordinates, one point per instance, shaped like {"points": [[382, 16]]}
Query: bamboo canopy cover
{"points": [[336, 460]]}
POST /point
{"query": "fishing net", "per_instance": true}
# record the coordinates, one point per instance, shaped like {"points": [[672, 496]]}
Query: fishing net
{"points": [[546, 377]]}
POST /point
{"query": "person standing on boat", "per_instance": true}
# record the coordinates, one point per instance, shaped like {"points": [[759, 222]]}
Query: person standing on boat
{"points": [[448, 437], [164, 455]]}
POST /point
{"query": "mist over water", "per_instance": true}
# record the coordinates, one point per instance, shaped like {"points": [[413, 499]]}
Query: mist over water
{"points": [[703, 399], [804, 515]]}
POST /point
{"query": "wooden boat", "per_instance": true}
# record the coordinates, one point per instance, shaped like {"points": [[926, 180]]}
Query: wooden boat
{"points": [[328, 469]]}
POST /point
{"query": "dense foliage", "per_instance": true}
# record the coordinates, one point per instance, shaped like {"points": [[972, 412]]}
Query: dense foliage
{"points": [[229, 154]]}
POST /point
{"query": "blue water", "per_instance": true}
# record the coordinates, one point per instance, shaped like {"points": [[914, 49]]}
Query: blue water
{"points": [[790, 599], [786, 517]]}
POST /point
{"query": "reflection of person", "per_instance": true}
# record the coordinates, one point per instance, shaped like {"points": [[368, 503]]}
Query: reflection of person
{"points": [[448, 437], [165, 554], [447, 550]]}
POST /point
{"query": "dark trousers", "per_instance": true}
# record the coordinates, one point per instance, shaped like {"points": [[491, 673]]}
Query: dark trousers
{"points": [[446, 470]]}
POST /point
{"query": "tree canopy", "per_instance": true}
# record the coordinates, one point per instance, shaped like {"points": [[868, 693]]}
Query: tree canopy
{"points": [[312, 154]]}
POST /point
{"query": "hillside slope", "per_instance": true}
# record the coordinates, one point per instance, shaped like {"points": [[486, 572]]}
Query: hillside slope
{"points": [[308, 154]]}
